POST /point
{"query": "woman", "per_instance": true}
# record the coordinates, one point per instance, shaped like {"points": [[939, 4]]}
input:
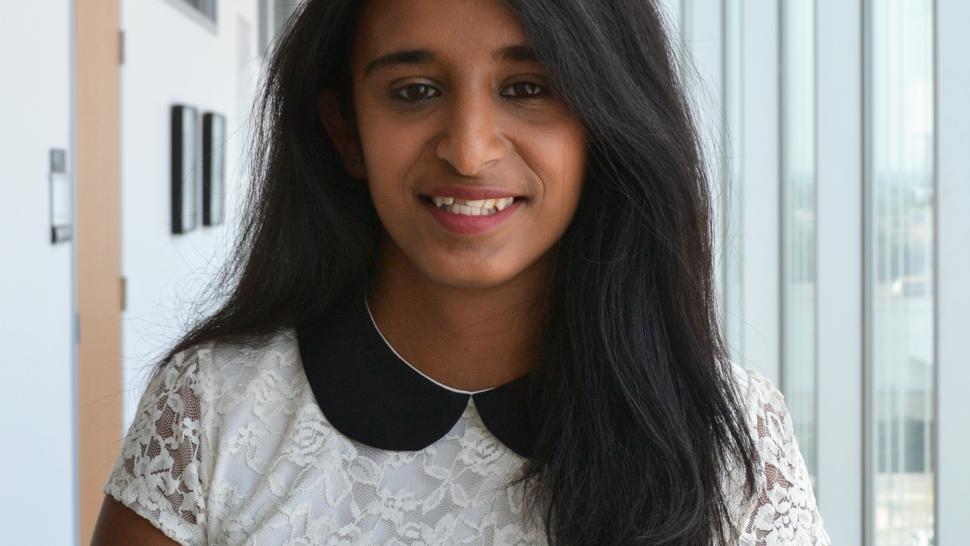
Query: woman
{"points": [[472, 304]]}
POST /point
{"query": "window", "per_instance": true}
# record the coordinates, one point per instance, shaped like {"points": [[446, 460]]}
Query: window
{"points": [[798, 221], [272, 15], [900, 187], [733, 32], [205, 7], [798, 214]]}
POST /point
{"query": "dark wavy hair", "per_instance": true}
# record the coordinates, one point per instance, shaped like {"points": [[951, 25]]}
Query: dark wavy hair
{"points": [[638, 421]]}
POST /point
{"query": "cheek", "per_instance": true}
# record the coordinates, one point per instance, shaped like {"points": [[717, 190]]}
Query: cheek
{"points": [[391, 154], [561, 164]]}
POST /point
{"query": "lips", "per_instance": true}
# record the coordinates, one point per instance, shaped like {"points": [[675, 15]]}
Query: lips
{"points": [[470, 225]]}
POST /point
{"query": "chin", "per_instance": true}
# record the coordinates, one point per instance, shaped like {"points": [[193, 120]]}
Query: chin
{"points": [[470, 277]]}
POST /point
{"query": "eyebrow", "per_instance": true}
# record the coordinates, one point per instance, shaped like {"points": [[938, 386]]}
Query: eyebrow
{"points": [[509, 53]]}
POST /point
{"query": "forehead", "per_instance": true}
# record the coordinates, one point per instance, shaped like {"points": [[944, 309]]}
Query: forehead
{"points": [[457, 30]]}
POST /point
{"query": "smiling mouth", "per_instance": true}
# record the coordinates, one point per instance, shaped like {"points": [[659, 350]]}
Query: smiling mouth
{"points": [[472, 207]]}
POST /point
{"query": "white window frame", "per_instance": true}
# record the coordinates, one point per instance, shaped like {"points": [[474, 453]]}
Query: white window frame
{"points": [[840, 276], [952, 448]]}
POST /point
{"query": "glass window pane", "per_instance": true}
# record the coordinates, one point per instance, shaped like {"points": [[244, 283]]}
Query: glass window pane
{"points": [[733, 169], [205, 7], [798, 220], [900, 270]]}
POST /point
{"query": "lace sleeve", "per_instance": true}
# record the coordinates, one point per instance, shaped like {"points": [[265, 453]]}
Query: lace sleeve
{"points": [[159, 473], [785, 511]]}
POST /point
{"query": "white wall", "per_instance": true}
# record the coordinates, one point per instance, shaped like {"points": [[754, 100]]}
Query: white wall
{"points": [[172, 57], [36, 309]]}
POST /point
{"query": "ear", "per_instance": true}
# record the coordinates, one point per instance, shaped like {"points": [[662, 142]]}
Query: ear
{"points": [[342, 133]]}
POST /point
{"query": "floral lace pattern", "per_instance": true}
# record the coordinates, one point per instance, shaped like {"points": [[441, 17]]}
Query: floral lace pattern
{"points": [[158, 471], [785, 511], [228, 446]]}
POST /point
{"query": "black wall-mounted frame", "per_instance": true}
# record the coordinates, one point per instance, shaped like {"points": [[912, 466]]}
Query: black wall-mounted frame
{"points": [[213, 168], [185, 168]]}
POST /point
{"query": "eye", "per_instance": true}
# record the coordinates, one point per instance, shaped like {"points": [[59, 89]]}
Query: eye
{"points": [[420, 89], [530, 90], [420, 92]]}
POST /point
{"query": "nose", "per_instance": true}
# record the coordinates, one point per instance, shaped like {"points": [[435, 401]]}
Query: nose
{"points": [[471, 141]]}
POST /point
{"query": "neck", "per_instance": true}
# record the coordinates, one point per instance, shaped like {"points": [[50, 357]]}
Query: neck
{"points": [[466, 338]]}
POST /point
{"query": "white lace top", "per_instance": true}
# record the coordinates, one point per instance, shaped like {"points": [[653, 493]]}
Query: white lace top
{"points": [[229, 446]]}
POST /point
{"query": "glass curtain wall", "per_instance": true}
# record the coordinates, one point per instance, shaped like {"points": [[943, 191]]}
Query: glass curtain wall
{"points": [[900, 271], [798, 215], [733, 33]]}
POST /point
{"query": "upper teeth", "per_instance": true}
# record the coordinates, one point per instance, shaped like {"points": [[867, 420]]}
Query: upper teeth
{"points": [[475, 207]]}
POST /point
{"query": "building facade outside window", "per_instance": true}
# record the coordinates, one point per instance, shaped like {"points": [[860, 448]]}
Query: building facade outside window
{"points": [[733, 168], [900, 271], [798, 221]]}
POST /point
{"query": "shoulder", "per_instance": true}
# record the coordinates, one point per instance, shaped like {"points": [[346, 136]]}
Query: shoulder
{"points": [[784, 510], [159, 471], [768, 418], [252, 382], [739, 376], [165, 465], [767, 412], [270, 361], [207, 373], [761, 396]]}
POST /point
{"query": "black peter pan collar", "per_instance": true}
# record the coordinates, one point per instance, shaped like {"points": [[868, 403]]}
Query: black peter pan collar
{"points": [[372, 395]]}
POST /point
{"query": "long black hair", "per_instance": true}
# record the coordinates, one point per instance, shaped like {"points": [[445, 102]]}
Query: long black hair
{"points": [[639, 420]]}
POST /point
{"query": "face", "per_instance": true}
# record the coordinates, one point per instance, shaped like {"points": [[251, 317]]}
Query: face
{"points": [[474, 164]]}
